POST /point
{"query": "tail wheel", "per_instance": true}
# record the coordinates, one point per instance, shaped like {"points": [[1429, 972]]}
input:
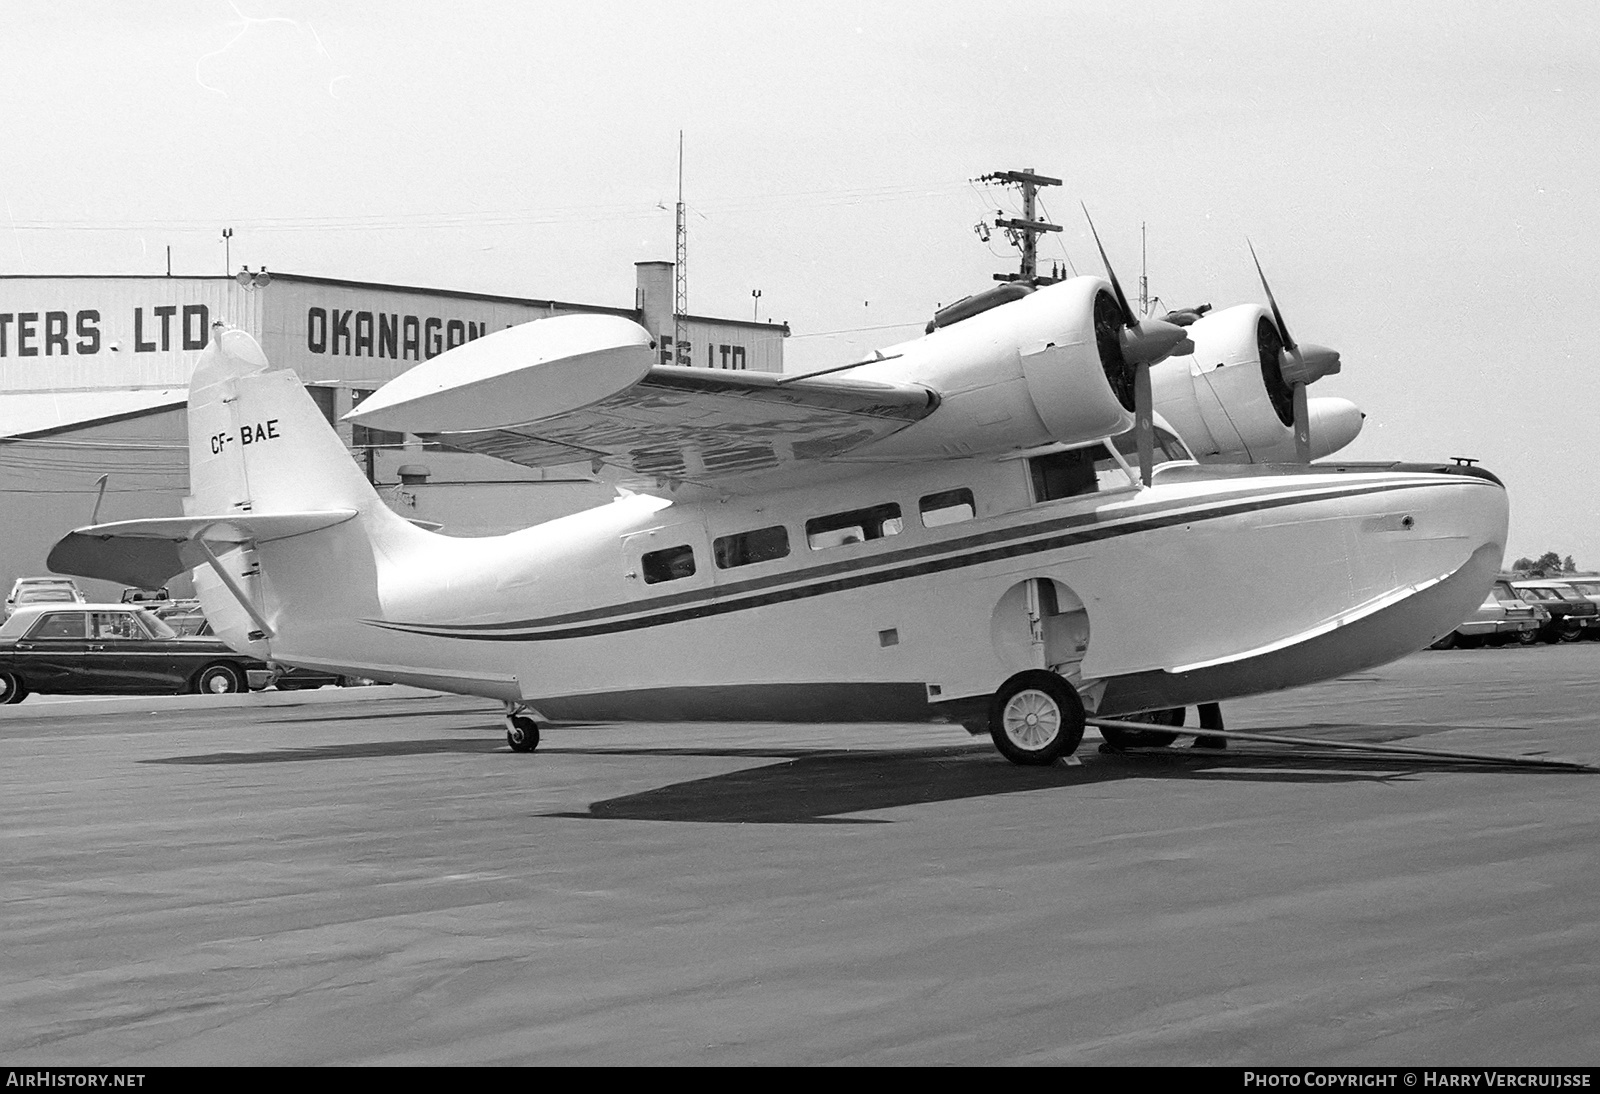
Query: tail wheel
{"points": [[12, 689], [1144, 738], [522, 733], [1036, 718], [219, 679]]}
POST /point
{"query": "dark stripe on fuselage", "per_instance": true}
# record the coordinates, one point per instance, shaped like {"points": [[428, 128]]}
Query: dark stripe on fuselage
{"points": [[879, 570]]}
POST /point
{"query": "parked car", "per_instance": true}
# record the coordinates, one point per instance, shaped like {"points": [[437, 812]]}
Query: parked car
{"points": [[113, 649], [1571, 613], [1502, 617], [145, 596], [42, 590], [1589, 587], [283, 677]]}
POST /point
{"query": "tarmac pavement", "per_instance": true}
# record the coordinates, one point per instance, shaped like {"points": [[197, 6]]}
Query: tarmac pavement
{"points": [[369, 876]]}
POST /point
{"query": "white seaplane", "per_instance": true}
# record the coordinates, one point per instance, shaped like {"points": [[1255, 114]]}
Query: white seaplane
{"points": [[987, 525]]}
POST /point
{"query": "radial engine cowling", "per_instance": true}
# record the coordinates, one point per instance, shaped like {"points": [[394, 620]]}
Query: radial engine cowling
{"points": [[1042, 369], [1229, 399]]}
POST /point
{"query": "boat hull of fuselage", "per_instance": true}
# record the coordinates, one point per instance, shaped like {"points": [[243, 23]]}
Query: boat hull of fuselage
{"points": [[1194, 572]]}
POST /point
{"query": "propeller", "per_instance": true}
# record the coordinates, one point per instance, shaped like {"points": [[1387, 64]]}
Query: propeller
{"points": [[1143, 342], [1299, 365]]}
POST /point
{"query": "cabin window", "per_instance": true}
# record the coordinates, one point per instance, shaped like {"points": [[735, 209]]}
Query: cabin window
{"points": [[61, 625], [947, 507], [667, 564], [745, 548], [856, 526], [1077, 471]]}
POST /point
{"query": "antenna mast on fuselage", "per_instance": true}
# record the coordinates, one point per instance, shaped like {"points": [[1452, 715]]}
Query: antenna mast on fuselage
{"points": [[680, 276]]}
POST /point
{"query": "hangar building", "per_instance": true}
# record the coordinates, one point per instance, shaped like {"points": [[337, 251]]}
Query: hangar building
{"points": [[94, 373]]}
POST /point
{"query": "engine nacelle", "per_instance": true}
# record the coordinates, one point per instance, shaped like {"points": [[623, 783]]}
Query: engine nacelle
{"points": [[1046, 368], [1229, 401]]}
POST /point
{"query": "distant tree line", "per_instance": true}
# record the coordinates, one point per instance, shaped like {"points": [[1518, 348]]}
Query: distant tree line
{"points": [[1548, 564]]}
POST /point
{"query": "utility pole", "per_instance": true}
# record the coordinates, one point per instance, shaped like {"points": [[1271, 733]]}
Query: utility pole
{"points": [[680, 295], [227, 251], [1024, 233]]}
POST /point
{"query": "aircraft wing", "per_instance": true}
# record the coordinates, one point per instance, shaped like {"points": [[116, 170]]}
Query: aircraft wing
{"points": [[582, 389], [699, 425]]}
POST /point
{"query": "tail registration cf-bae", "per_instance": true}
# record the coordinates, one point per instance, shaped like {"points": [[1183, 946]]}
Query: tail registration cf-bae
{"points": [[990, 525]]}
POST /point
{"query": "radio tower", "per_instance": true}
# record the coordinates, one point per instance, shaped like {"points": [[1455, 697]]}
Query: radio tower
{"points": [[680, 295], [1024, 233]]}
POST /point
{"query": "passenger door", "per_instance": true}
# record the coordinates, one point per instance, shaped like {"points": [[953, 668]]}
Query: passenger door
{"points": [[123, 655]]}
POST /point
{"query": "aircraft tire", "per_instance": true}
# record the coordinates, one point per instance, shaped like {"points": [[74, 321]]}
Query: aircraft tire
{"points": [[1036, 718], [220, 678], [522, 733], [12, 689]]}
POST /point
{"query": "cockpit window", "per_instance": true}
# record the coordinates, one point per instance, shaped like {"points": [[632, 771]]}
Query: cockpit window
{"points": [[1168, 446], [1075, 471]]}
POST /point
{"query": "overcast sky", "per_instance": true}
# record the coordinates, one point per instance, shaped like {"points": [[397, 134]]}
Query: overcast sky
{"points": [[1418, 178]]}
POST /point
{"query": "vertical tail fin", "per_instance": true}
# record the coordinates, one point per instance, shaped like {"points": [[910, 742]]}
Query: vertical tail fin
{"points": [[281, 526], [258, 443]]}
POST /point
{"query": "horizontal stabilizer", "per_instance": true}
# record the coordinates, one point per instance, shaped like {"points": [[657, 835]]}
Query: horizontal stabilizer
{"points": [[145, 553]]}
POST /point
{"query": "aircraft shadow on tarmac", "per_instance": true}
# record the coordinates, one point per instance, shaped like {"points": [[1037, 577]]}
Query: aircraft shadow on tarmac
{"points": [[361, 750], [825, 787]]}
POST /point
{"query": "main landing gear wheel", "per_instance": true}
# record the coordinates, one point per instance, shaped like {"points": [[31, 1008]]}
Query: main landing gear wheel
{"points": [[12, 689], [1036, 718], [218, 680], [1143, 738], [522, 733]]}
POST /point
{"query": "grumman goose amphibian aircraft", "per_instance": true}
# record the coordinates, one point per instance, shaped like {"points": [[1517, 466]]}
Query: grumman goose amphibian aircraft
{"points": [[988, 525]]}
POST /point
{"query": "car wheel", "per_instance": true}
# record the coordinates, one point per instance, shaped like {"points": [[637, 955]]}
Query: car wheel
{"points": [[1448, 642], [1528, 637], [218, 679], [12, 689], [1570, 632], [1036, 718], [1144, 738]]}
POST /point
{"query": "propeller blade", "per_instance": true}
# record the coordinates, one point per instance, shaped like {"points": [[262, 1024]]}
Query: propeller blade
{"points": [[1144, 428], [1277, 316], [1129, 320], [1302, 425]]}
